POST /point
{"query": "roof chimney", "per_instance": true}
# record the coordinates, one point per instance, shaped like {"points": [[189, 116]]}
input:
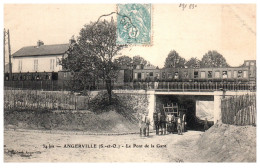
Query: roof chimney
{"points": [[39, 43]]}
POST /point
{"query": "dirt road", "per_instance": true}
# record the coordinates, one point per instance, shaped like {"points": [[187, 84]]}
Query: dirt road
{"points": [[33, 146]]}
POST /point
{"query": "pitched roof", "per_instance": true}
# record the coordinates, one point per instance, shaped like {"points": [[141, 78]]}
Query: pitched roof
{"points": [[42, 50]]}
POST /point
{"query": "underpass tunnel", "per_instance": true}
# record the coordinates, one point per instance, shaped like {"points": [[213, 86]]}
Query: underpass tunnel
{"points": [[198, 108]]}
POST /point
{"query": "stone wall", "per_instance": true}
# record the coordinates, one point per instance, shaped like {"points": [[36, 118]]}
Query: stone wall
{"points": [[138, 103]]}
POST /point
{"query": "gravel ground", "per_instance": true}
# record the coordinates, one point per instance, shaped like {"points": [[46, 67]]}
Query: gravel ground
{"points": [[31, 146], [221, 143]]}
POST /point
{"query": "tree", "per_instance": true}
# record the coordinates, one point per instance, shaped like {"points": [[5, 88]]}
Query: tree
{"points": [[213, 59], [174, 60], [127, 62], [94, 54], [192, 63], [137, 60], [124, 62], [80, 65]]}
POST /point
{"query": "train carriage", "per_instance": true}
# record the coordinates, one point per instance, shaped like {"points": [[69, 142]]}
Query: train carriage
{"points": [[230, 74]]}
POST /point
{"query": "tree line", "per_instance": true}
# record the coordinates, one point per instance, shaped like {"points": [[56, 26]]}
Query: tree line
{"points": [[210, 59]]}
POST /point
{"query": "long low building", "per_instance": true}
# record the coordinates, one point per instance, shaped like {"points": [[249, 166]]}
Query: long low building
{"points": [[39, 58]]}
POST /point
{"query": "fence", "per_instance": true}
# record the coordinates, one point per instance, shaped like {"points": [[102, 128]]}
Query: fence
{"points": [[239, 110], [34, 99], [48, 85], [164, 86]]}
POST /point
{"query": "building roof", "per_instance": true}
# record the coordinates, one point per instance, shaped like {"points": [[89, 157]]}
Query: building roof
{"points": [[149, 67], [42, 50]]}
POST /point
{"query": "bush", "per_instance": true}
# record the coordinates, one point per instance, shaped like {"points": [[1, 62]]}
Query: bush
{"points": [[100, 104]]}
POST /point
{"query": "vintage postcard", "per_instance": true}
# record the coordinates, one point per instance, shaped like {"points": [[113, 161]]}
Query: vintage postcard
{"points": [[129, 82]]}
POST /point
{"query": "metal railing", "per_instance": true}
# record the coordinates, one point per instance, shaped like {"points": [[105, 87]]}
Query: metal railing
{"points": [[183, 86], [159, 86]]}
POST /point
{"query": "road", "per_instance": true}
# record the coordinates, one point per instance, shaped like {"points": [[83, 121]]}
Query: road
{"points": [[31, 146]]}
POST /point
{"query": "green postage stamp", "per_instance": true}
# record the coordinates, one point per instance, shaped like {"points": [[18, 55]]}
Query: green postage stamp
{"points": [[134, 24]]}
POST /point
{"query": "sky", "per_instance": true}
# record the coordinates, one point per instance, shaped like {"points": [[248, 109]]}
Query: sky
{"points": [[228, 29]]}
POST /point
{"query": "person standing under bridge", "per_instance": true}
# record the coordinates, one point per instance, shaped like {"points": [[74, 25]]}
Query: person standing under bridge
{"points": [[206, 125]]}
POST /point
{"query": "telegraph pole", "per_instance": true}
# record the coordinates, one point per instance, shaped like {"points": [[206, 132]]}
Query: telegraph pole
{"points": [[9, 52], [4, 50]]}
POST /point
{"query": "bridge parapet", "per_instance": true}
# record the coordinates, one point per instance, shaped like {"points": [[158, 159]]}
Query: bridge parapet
{"points": [[187, 86]]}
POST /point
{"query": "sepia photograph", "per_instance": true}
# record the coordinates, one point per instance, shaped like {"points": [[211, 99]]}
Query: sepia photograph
{"points": [[129, 82]]}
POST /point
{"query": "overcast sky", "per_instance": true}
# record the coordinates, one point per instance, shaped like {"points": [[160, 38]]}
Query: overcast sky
{"points": [[229, 29]]}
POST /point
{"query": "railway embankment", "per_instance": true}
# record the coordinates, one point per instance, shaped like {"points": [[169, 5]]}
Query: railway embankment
{"points": [[85, 121], [99, 117], [228, 143]]}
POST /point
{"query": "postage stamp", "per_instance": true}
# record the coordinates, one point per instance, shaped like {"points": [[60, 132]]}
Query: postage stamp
{"points": [[134, 24]]}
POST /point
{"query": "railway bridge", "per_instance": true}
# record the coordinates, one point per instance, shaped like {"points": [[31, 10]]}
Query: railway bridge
{"points": [[157, 96]]}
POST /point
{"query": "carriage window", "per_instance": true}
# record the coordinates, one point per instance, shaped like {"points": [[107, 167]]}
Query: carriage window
{"points": [[151, 73], [139, 75], [142, 75], [252, 63], [209, 74], [245, 74], [135, 75], [176, 75], [217, 74], [239, 74], [229, 74], [251, 74], [65, 74], [196, 74], [185, 74], [147, 74], [202, 74], [163, 75], [157, 75], [235, 74], [224, 74], [169, 75], [247, 63]]}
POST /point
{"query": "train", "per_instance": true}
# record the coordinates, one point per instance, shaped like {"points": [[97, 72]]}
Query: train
{"points": [[242, 74]]}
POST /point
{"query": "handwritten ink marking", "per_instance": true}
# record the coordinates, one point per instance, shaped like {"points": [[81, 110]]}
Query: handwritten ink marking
{"points": [[188, 6], [183, 6], [192, 6]]}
